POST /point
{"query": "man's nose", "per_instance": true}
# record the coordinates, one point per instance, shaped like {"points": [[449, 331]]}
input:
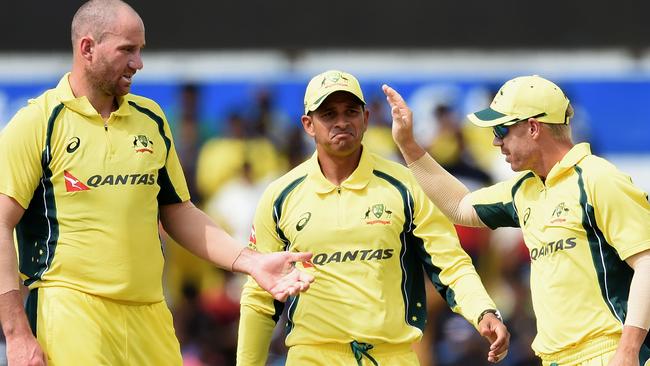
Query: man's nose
{"points": [[136, 62], [342, 120]]}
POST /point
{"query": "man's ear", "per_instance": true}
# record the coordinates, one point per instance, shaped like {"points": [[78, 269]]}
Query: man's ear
{"points": [[87, 47], [534, 127], [308, 124], [366, 117]]}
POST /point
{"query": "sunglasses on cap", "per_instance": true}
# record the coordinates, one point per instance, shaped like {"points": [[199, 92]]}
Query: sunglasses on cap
{"points": [[501, 131]]}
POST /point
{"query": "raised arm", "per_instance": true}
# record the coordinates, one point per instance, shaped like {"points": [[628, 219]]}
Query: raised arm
{"points": [[194, 230], [22, 347], [447, 192]]}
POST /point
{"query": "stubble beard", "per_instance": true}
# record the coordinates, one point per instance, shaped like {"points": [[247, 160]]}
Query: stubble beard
{"points": [[99, 78]]}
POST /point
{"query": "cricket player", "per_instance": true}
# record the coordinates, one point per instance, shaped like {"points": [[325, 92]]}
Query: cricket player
{"points": [[375, 237], [586, 225], [88, 170]]}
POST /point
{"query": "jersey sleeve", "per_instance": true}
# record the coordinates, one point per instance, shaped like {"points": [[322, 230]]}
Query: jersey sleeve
{"points": [[259, 311], [622, 211], [447, 265], [173, 186], [495, 205], [21, 147]]}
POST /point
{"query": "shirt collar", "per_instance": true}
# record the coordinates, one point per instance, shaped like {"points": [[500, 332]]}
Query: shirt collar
{"points": [[357, 180], [570, 159], [81, 104]]}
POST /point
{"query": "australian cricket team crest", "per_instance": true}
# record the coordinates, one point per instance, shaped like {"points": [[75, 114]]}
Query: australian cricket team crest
{"points": [[334, 79], [378, 214], [559, 214], [142, 144]]}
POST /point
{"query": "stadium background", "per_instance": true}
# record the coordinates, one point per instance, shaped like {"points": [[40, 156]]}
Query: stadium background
{"points": [[231, 75]]}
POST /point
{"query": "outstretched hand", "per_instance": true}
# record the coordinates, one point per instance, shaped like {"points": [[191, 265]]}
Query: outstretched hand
{"points": [[277, 273], [402, 125], [492, 329]]}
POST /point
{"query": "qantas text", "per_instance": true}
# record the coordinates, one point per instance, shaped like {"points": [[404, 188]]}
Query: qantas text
{"points": [[552, 247], [119, 179], [349, 256]]}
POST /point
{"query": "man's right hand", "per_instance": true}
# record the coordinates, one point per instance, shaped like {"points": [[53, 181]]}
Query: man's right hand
{"points": [[402, 125], [22, 347], [24, 350]]}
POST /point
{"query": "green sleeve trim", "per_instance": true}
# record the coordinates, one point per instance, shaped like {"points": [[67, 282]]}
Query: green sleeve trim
{"points": [[501, 214], [39, 224], [277, 209], [614, 275]]}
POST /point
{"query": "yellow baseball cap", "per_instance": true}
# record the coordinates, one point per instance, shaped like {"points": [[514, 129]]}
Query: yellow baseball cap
{"points": [[322, 85], [522, 98]]}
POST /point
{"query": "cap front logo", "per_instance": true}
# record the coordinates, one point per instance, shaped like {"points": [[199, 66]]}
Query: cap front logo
{"points": [[334, 79]]}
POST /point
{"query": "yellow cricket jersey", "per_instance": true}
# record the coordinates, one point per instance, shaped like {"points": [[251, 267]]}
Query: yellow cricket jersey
{"points": [[579, 226], [91, 191], [374, 238]]}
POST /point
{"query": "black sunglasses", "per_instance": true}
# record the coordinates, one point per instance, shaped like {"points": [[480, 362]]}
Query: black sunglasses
{"points": [[501, 131]]}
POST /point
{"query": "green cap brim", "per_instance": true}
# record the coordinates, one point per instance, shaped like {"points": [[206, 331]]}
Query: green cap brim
{"points": [[489, 118]]}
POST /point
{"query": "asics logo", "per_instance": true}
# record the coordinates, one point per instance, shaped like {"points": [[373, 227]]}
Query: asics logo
{"points": [[73, 145]]}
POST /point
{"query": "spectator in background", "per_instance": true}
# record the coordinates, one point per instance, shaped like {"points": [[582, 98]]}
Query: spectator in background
{"points": [[266, 120], [584, 222], [190, 134], [378, 137], [450, 149], [234, 204], [221, 158]]}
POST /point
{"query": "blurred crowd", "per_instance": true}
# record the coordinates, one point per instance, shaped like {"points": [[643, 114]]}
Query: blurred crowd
{"points": [[229, 163]]}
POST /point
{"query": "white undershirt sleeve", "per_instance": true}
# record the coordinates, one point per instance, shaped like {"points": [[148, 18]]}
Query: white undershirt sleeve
{"points": [[448, 193], [638, 304]]}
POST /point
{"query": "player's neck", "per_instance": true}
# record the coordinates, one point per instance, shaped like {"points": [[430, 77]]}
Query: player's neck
{"points": [[552, 155], [336, 169], [104, 104]]}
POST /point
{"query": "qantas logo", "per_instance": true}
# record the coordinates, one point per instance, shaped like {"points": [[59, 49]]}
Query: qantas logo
{"points": [[252, 238], [72, 184]]}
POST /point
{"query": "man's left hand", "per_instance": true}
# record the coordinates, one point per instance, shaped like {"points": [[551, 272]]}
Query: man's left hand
{"points": [[497, 334], [276, 272], [624, 359]]}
